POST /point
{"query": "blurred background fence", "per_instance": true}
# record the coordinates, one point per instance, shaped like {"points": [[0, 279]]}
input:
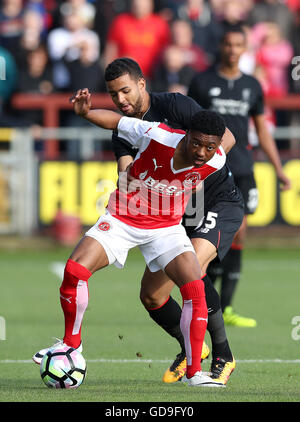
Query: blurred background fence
{"points": [[50, 172], [53, 163]]}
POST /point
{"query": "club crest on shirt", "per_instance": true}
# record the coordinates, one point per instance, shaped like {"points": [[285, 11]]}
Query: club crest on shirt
{"points": [[246, 94], [215, 91], [191, 179], [104, 226]]}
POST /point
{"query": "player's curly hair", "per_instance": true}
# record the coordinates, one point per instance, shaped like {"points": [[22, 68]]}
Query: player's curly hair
{"points": [[123, 66], [208, 122]]}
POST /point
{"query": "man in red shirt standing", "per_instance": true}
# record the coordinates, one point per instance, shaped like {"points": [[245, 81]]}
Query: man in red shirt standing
{"points": [[140, 35]]}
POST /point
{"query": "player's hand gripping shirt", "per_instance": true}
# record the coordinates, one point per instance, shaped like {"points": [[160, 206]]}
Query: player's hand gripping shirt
{"points": [[163, 191]]}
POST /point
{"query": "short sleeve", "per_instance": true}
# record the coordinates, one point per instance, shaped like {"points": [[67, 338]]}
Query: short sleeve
{"points": [[122, 147], [134, 130], [218, 160]]}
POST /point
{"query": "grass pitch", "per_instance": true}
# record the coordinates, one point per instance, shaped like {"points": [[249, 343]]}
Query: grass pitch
{"points": [[127, 353]]}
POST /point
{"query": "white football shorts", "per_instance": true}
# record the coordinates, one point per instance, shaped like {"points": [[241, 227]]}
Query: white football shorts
{"points": [[158, 246]]}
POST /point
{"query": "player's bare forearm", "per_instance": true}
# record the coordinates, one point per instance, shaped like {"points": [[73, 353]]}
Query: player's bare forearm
{"points": [[106, 119], [268, 145], [228, 141], [124, 162]]}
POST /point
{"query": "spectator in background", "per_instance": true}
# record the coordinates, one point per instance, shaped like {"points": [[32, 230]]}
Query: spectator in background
{"points": [[234, 13], [86, 10], [106, 11], [85, 71], [293, 5], [42, 8], [140, 34], [274, 56], [33, 34], [65, 41], [273, 11], [182, 37], [173, 74], [36, 78], [207, 31], [274, 59], [8, 82], [82, 63], [11, 24], [64, 44]]}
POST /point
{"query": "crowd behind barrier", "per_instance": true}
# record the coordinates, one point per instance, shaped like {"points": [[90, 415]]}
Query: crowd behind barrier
{"points": [[52, 47]]}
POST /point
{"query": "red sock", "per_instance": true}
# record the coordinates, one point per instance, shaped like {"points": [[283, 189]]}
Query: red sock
{"points": [[74, 297], [193, 323]]}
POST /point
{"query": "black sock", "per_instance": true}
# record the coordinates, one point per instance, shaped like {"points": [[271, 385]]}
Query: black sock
{"points": [[211, 294], [215, 324], [219, 343], [168, 317], [231, 275], [214, 270]]}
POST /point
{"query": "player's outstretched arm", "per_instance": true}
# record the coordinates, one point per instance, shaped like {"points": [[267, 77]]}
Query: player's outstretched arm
{"points": [[106, 119]]}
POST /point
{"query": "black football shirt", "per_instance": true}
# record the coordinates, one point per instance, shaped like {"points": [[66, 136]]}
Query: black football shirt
{"points": [[236, 100]]}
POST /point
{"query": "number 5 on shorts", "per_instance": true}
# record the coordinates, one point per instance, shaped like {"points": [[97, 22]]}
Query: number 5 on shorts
{"points": [[211, 220]]}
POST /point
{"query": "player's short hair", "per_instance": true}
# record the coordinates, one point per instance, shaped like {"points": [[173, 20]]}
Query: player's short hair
{"points": [[123, 66], [208, 122], [236, 29]]}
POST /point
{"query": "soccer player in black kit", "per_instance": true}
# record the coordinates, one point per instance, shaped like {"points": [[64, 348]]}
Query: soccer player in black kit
{"points": [[237, 97], [223, 214]]}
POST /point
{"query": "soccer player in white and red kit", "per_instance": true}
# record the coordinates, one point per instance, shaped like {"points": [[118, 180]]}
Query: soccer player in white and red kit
{"points": [[170, 164]]}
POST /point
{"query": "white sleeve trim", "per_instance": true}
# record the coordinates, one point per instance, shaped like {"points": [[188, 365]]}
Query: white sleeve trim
{"points": [[133, 130], [218, 160]]}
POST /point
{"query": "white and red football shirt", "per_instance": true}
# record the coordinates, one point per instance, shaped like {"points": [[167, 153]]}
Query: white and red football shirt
{"points": [[163, 191]]}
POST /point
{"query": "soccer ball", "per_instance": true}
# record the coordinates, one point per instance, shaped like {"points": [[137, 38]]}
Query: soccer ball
{"points": [[63, 367]]}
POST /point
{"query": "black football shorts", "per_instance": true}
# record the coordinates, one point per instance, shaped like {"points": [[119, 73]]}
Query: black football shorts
{"points": [[219, 225]]}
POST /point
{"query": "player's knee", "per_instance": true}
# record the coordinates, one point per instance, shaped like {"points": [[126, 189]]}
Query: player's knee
{"points": [[150, 300], [146, 299], [73, 273]]}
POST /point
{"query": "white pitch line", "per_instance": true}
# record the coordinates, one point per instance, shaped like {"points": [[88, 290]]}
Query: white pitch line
{"points": [[158, 361], [57, 267]]}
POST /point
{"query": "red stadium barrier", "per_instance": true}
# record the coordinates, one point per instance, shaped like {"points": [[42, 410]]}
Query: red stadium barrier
{"points": [[290, 102], [52, 105]]}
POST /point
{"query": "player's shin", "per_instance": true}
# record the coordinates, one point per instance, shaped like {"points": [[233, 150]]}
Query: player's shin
{"points": [[193, 323], [215, 326], [231, 274], [168, 317], [74, 298]]}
